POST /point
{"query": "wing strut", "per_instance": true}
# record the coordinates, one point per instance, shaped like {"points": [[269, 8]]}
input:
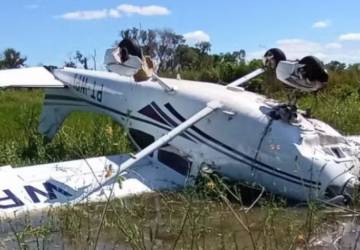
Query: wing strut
{"points": [[245, 78], [210, 108]]}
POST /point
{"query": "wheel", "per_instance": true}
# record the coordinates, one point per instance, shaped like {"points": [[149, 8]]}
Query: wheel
{"points": [[131, 47], [272, 58], [314, 69]]}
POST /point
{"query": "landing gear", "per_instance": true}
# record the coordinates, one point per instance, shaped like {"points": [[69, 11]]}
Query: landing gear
{"points": [[314, 69], [129, 47], [272, 58], [307, 75]]}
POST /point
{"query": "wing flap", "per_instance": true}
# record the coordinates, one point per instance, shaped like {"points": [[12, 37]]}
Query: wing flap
{"points": [[36, 77]]}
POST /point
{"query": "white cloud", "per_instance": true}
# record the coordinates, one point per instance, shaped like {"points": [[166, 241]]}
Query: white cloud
{"points": [[119, 11], [85, 15], [151, 10], [114, 13], [299, 48], [350, 37], [321, 24], [196, 37], [333, 46]]}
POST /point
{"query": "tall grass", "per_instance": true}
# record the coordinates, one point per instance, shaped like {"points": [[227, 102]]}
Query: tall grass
{"points": [[186, 220], [82, 135], [207, 217]]}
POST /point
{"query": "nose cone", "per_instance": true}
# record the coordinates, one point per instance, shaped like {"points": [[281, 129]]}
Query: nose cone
{"points": [[351, 189], [346, 193]]}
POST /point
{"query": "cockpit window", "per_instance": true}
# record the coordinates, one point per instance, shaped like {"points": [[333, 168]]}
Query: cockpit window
{"points": [[338, 152], [174, 161]]}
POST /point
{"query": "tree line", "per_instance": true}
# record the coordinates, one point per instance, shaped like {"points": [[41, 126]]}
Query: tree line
{"points": [[10, 59], [197, 62], [174, 56]]}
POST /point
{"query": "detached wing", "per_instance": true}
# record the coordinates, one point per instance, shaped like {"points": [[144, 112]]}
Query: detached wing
{"points": [[29, 189], [37, 77]]}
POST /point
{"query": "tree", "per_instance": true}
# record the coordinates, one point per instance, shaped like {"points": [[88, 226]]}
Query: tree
{"points": [[74, 61], [12, 59], [186, 57], [132, 33], [355, 66], [229, 57], [148, 42], [204, 47], [335, 66], [239, 56], [159, 44], [70, 64], [167, 44], [81, 59]]}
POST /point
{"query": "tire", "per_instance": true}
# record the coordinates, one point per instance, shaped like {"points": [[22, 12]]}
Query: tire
{"points": [[131, 46], [314, 69], [276, 56]]}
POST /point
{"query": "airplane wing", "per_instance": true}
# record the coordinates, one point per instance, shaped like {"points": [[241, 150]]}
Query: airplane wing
{"points": [[37, 77], [31, 189], [28, 189], [210, 108]]}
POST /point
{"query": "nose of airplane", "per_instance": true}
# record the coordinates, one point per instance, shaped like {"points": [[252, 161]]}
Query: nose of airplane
{"points": [[351, 190], [349, 193]]}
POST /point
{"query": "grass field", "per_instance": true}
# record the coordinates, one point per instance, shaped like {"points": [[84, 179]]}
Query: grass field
{"points": [[199, 218], [82, 134]]}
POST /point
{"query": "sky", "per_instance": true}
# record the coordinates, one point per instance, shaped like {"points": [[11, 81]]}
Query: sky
{"points": [[50, 31]]}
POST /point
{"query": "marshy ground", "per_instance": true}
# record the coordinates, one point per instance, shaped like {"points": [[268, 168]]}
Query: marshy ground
{"points": [[207, 217]]}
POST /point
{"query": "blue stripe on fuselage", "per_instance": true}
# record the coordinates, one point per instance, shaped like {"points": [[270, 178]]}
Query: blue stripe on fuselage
{"points": [[219, 143], [290, 178]]}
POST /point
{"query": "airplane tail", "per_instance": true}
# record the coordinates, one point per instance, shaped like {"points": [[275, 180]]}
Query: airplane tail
{"points": [[58, 104]]}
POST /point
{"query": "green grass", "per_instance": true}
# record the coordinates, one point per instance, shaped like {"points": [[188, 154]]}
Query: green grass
{"points": [[193, 219], [82, 134], [14, 106], [183, 220], [341, 113]]}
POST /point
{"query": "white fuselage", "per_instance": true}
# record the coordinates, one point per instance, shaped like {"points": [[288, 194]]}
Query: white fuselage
{"points": [[240, 141]]}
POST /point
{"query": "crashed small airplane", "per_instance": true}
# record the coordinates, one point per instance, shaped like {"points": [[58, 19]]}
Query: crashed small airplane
{"points": [[181, 127]]}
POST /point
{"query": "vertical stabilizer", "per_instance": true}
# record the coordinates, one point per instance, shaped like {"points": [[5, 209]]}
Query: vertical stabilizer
{"points": [[58, 104]]}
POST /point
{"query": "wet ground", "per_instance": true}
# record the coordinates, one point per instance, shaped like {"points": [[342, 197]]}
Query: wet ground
{"points": [[181, 222], [342, 234]]}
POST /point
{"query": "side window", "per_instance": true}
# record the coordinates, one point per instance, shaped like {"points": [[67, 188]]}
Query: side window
{"points": [[140, 138], [174, 161]]}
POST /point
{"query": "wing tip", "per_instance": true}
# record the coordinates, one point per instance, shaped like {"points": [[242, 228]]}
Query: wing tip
{"points": [[33, 77]]}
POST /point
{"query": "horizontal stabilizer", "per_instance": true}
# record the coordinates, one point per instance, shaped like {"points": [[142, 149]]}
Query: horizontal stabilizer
{"points": [[37, 77]]}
